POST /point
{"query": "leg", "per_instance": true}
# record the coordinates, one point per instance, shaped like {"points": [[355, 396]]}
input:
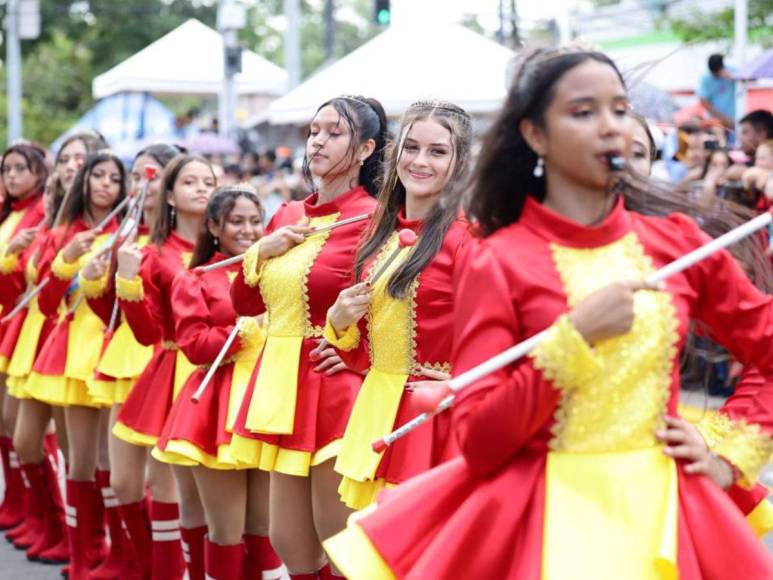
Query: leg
{"points": [[61, 432], [292, 524], [224, 497], [330, 513], [193, 524], [85, 530], [30, 429], [261, 559]]}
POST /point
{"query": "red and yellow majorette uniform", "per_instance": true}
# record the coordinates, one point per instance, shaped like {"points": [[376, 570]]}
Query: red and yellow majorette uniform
{"points": [[22, 275], [71, 351], [397, 339], [561, 474], [200, 433], [146, 302], [25, 213], [293, 417], [123, 358]]}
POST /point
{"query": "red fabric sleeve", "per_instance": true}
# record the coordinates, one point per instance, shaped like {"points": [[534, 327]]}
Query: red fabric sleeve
{"points": [[499, 414], [196, 336], [144, 316], [102, 306], [53, 293], [358, 359]]}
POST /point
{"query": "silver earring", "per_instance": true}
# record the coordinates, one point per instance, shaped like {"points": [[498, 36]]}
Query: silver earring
{"points": [[216, 242], [172, 214], [539, 169]]}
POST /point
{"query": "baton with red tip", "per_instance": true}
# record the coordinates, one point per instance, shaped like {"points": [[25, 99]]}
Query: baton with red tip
{"points": [[438, 399]]}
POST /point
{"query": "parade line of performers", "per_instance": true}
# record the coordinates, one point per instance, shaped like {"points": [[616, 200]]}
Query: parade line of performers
{"points": [[405, 266]]}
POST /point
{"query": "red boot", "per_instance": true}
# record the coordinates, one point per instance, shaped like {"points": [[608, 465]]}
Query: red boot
{"points": [[261, 561], [38, 476], [224, 562], [111, 566], [167, 561], [14, 507], [31, 530], [193, 551], [57, 552], [137, 555], [80, 515]]}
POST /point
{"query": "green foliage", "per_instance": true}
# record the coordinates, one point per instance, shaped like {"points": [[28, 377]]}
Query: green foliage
{"points": [[719, 25], [83, 38]]}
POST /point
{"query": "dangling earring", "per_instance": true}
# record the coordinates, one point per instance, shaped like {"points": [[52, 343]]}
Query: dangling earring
{"points": [[216, 242], [172, 216], [362, 162], [539, 169]]}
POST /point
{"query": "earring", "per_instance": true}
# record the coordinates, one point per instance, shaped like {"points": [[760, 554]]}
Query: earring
{"points": [[217, 242], [539, 169], [172, 214], [362, 162]]}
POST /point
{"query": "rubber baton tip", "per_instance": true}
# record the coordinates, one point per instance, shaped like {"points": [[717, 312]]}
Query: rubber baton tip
{"points": [[150, 172], [195, 400], [407, 238], [427, 399], [379, 446]]}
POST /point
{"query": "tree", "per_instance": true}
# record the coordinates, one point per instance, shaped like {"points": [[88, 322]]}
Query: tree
{"points": [[719, 25]]}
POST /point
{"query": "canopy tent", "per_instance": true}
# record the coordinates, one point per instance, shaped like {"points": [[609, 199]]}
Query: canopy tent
{"points": [[408, 61], [188, 60], [128, 121], [760, 67]]}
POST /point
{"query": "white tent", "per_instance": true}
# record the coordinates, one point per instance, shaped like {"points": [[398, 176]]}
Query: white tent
{"points": [[408, 61], [188, 60]]}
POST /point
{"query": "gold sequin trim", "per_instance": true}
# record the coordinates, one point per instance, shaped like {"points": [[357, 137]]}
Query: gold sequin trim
{"points": [[620, 405]]}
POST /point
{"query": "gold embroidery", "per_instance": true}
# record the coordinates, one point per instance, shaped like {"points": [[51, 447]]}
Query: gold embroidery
{"points": [[8, 262], [285, 278], [620, 405], [741, 443], [129, 290]]}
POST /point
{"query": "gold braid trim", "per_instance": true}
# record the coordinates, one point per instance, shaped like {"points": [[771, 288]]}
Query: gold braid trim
{"points": [[94, 288], [742, 444], [564, 357], [64, 270], [252, 266], [8, 263], [347, 341], [129, 290]]}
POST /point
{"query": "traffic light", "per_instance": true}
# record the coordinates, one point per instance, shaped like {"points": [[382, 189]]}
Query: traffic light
{"points": [[382, 12]]}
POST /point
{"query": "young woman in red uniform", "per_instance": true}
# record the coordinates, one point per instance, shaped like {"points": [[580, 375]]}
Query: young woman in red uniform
{"points": [[398, 328], [295, 409], [123, 358], [574, 455], [24, 174], [43, 532], [200, 433], [143, 285], [71, 351]]}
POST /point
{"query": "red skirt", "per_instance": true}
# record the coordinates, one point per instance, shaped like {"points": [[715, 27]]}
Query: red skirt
{"points": [[141, 418], [450, 523], [197, 433], [322, 409]]}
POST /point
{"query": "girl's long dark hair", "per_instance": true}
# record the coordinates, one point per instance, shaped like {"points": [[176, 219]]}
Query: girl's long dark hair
{"points": [[78, 203], [504, 177], [35, 157], [165, 222], [393, 196], [220, 205], [366, 119]]}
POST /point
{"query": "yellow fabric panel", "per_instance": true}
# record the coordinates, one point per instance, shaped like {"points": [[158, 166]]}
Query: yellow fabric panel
{"points": [[256, 454], [352, 552], [59, 391], [183, 369], [129, 435], [8, 263], [239, 382], [372, 417], [17, 387], [124, 357], [761, 518], [9, 225], [626, 507], [358, 495], [131, 290], [84, 343], [272, 407]]}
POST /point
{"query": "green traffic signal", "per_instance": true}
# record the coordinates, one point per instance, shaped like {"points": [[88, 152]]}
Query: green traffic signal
{"points": [[383, 17]]}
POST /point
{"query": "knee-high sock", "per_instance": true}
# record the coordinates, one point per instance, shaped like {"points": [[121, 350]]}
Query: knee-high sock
{"points": [[193, 551], [167, 561], [261, 561], [224, 562]]}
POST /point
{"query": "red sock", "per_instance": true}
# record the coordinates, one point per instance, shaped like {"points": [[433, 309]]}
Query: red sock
{"points": [[80, 513], [261, 558], [167, 561], [137, 556], [224, 562], [193, 551], [111, 566]]}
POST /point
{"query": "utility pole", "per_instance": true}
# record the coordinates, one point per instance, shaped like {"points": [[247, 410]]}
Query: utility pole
{"points": [[741, 26], [231, 17], [292, 49], [13, 70], [501, 29], [330, 31], [515, 36]]}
